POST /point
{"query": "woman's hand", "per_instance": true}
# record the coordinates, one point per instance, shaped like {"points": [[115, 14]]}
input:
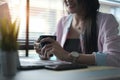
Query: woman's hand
{"points": [[53, 48], [38, 50]]}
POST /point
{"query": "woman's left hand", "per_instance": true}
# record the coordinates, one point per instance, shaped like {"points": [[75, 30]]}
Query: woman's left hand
{"points": [[53, 48]]}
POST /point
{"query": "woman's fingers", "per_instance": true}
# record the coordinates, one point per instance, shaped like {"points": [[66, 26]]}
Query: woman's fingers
{"points": [[43, 58], [50, 53], [36, 45], [44, 51], [37, 48], [47, 48], [48, 39]]}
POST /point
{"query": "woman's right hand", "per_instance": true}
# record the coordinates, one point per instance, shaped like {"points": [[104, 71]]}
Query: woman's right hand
{"points": [[38, 50]]}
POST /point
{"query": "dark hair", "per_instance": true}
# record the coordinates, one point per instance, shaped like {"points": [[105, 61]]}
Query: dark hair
{"points": [[89, 10]]}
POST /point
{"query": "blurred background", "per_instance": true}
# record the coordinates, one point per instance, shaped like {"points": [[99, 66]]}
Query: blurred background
{"points": [[43, 15]]}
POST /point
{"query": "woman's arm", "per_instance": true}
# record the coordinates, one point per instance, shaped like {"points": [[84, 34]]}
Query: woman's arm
{"points": [[109, 42]]}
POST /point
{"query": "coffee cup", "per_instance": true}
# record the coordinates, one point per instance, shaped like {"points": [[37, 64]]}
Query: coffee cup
{"points": [[45, 36]]}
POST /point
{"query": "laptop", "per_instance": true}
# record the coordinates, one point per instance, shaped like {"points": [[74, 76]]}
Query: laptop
{"points": [[30, 63]]}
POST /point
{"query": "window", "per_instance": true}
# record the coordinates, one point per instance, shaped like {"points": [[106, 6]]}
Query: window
{"points": [[18, 10], [44, 15], [43, 18]]}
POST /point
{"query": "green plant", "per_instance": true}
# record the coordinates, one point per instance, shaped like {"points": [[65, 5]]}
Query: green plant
{"points": [[9, 34]]}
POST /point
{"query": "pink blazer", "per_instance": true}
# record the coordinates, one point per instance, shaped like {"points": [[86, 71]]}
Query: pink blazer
{"points": [[108, 38]]}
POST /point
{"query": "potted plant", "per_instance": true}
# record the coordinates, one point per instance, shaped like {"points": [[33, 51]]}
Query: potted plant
{"points": [[9, 46]]}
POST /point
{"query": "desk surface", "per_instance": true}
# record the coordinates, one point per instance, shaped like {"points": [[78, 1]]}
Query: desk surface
{"points": [[90, 73]]}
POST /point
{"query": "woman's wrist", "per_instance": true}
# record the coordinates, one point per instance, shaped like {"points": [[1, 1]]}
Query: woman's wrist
{"points": [[64, 56], [74, 57], [81, 58], [86, 59], [67, 57]]}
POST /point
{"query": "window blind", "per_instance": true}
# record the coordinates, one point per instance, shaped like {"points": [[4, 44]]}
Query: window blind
{"points": [[18, 11], [43, 18], [44, 15]]}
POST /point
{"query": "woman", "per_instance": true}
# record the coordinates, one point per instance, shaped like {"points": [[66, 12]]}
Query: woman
{"points": [[85, 36]]}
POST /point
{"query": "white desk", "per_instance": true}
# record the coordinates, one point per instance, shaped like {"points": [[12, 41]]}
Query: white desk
{"points": [[91, 73]]}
